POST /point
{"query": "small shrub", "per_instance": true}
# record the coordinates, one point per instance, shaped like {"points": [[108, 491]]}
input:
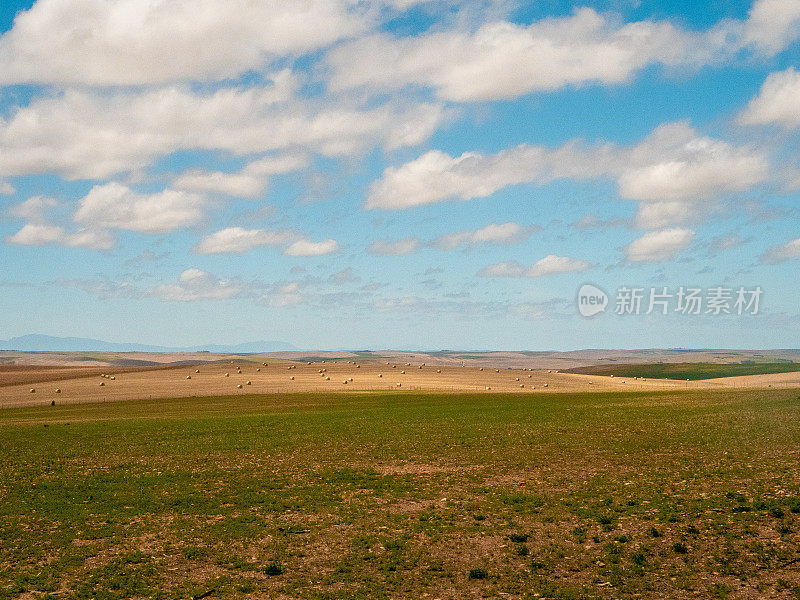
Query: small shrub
{"points": [[273, 569], [580, 535], [518, 538], [653, 532], [680, 548], [522, 550], [478, 574]]}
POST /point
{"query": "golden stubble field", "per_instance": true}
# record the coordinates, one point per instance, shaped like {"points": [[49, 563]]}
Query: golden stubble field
{"points": [[107, 384]]}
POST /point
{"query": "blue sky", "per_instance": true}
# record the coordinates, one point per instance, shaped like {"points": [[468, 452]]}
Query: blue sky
{"points": [[397, 173]]}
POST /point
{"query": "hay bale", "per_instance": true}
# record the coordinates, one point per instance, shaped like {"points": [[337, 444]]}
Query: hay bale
{"points": [[292, 377], [227, 374], [380, 374], [102, 383], [113, 378], [248, 383], [32, 391], [188, 377], [58, 390], [399, 384], [238, 386]]}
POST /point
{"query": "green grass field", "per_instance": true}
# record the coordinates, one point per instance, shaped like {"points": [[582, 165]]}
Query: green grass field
{"points": [[404, 495], [692, 371]]}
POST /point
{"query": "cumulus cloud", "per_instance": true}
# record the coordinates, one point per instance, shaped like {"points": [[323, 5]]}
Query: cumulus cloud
{"points": [[549, 265], [42, 234], [592, 221], [781, 253], [125, 42], [777, 103], [114, 205], [237, 240], [250, 182], [309, 248], [94, 135], [659, 246], [396, 248], [38, 231], [345, 276], [6, 189], [772, 24], [504, 60], [284, 294], [505, 234], [673, 172], [194, 284]]}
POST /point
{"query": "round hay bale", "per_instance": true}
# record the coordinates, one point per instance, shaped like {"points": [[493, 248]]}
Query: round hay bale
{"points": [[188, 377], [327, 379], [292, 377], [345, 381], [113, 378], [197, 370], [227, 374], [238, 386], [248, 383], [380, 374], [399, 384], [488, 388], [438, 370], [32, 391], [522, 385], [402, 372], [58, 390], [102, 383]]}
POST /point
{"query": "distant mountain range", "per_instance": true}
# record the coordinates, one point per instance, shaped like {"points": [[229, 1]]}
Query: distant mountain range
{"points": [[48, 343]]}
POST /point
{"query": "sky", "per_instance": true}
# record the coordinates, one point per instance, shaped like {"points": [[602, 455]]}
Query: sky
{"points": [[401, 174]]}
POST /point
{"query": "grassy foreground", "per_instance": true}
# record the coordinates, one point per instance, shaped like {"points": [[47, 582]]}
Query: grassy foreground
{"points": [[404, 495], [691, 371]]}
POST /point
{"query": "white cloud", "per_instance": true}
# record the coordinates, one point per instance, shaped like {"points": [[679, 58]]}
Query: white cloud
{"points": [[505, 234], [285, 294], [436, 176], [309, 248], [781, 253], [195, 284], [659, 246], [94, 135], [250, 182], [237, 240], [130, 42], [114, 205], [41, 234], [397, 248], [674, 172], [6, 189], [772, 24], [33, 209], [549, 265], [777, 103], [505, 60], [345, 276]]}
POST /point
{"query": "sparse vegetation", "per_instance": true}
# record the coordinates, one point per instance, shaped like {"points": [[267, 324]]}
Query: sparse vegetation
{"points": [[378, 495]]}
